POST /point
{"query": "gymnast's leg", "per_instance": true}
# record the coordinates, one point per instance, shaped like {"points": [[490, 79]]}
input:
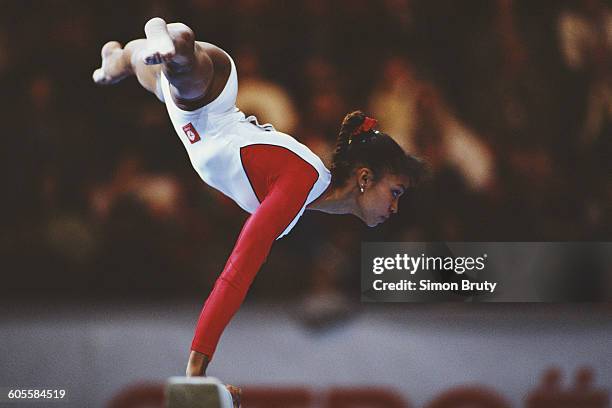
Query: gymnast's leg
{"points": [[170, 48]]}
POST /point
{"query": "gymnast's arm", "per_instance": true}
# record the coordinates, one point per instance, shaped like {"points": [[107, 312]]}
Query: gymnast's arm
{"points": [[276, 212]]}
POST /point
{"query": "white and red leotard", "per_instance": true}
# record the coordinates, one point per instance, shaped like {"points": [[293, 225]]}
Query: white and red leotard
{"points": [[267, 173]]}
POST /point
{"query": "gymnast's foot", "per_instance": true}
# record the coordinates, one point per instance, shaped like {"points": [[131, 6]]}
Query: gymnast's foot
{"points": [[113, 67], [160, 47]]}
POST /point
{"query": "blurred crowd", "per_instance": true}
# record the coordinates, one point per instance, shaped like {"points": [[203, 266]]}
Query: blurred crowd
{"points": [[508, 101]]}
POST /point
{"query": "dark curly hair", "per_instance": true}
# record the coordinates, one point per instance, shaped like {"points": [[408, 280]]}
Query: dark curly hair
{"points": [[375, 150]]}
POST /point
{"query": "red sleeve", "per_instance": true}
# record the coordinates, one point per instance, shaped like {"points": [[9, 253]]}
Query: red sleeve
{"points": [[281, 205]]}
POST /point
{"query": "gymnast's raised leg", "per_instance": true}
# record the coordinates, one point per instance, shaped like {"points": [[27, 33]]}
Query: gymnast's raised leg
{"points": [[197, 71]]}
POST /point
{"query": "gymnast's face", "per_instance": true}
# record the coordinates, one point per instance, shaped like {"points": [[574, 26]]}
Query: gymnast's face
{"points": [[380, 197]]}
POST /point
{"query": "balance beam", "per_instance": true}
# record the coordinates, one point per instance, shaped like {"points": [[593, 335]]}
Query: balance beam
{"points": [[196, 392]]}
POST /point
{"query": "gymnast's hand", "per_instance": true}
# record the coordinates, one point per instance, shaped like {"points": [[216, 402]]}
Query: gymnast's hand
{"points": [[196, 367]]}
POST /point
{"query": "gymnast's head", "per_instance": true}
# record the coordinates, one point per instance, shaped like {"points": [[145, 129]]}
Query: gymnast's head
{"points": [[373, 168]]}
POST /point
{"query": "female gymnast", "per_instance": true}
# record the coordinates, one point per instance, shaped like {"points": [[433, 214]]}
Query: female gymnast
{"points": [[266, 172]]}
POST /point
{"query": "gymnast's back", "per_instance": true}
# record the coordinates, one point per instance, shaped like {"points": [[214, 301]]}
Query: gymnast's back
{"points": [[215, 134]]}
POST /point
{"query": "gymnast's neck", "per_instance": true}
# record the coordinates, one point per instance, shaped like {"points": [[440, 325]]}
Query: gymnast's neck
{"points": [[336, 200]]}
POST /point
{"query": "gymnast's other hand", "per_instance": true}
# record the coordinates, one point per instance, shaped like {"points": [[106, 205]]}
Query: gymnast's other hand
{"points": [[198, 362], [236, 394]]}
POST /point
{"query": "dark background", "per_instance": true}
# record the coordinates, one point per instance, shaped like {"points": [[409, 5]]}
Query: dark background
{"points": [[99, 198]]}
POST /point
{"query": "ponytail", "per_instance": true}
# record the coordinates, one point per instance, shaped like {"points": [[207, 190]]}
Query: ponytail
{"points": [[359, 145], [350, 130]]}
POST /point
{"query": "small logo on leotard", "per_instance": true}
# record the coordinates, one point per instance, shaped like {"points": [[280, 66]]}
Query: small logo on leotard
{"points": [[191, 133]]}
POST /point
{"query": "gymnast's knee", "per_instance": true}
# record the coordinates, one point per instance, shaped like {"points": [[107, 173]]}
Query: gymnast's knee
{"points": [[182, 36]]}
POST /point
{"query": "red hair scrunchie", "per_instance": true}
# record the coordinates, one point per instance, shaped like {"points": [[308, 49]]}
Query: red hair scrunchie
{"points": [[367, 125]]}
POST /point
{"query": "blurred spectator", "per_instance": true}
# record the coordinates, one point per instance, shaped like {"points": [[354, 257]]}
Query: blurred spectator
{"points": [[265, 99], [585, 37], [160, 194], [393, 102], [443, 140], [324, 106], [325, 302], [316, 38]]}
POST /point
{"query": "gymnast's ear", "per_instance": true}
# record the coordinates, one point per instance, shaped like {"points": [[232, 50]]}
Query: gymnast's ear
{"points": [[364, 177]]}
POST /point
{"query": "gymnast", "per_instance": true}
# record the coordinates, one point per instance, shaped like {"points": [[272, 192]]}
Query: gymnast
{"points": [[267, 173]]}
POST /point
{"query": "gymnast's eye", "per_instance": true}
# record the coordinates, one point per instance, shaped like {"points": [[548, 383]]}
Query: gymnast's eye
{"points": [[396, 193]]}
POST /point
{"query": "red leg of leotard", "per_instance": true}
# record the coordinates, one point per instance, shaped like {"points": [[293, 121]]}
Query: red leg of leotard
{"points": [[284, 180]]}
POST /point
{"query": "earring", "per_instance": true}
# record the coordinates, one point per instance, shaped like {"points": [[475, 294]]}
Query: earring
{"points": [[361, 188]]}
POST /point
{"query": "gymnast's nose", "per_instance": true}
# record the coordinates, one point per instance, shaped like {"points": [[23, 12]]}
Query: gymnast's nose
{"points": [[394, 207]]}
